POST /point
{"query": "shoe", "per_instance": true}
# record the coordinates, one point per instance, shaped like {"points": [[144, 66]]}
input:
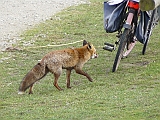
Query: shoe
{"points": [[130, 47]]}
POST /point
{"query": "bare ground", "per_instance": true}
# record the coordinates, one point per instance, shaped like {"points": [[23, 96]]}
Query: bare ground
{"points": [[19, 15]]}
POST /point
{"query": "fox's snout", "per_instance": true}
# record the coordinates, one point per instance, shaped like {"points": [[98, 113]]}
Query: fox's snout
{"points": [[95, 55]]}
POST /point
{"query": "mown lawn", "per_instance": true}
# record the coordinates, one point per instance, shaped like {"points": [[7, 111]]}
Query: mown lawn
{"points": [[131, 93]]}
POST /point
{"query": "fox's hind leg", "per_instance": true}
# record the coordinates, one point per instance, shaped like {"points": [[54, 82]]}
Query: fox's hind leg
{"points": [[56, 81], [56, 76], [30, 89], [68, 73]]}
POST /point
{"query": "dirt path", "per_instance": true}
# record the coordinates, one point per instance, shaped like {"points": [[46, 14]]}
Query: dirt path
{"points": [[18, 15]]}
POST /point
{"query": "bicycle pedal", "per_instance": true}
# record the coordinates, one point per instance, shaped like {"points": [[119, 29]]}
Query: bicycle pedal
{"points": [[108, 44], [109, 48]]}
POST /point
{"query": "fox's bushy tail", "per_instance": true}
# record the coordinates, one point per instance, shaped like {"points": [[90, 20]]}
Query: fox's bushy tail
{"points": [[35, 74]]}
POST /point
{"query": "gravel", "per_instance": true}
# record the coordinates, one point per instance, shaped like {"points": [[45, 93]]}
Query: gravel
{"points": [[19, 15]]}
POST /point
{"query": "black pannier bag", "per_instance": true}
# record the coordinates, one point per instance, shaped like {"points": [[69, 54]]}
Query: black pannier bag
{"points": [[141, 31], [159, 12], [113, 15]]}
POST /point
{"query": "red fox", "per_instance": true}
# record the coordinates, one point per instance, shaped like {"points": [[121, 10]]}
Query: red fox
{"points": [[55, 61]]}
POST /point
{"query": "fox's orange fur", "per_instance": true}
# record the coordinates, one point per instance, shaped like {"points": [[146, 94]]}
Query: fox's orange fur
{"points": [[54, 62]]}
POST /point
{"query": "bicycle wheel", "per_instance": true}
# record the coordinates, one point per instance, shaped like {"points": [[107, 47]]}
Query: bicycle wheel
{"points": [[152, 24], [119, 55]]}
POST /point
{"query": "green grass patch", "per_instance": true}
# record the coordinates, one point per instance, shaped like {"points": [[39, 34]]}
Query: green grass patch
{"points": [[131, 93]]}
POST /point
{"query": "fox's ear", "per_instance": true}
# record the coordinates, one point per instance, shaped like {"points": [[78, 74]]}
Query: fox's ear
{"points": [[89, 46], [84, 42]]}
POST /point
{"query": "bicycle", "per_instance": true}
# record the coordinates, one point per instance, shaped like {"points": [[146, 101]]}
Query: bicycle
{"points": [[126, 34]]}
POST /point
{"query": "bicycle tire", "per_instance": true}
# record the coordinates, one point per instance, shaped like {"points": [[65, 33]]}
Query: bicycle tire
{"points": [[147, 39], [145, 46], [119, 55], [150, 28]]}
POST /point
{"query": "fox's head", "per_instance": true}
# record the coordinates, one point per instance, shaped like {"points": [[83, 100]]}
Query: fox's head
{"points": [[91, 49]]}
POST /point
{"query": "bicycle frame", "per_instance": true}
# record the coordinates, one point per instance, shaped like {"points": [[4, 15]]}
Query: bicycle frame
{"points": [[125, 38]]}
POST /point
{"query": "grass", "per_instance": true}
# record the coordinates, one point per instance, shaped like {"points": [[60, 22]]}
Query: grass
{"points": [[131, 93]]}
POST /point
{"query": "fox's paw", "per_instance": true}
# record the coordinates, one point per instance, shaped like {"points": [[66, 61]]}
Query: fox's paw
{"points": [[90, 80], [69, 87], [30, 92], [60, 89]]}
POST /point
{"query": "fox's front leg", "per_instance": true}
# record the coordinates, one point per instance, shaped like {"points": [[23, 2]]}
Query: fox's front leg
{"points": [[68, 73], [81, 72]]}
